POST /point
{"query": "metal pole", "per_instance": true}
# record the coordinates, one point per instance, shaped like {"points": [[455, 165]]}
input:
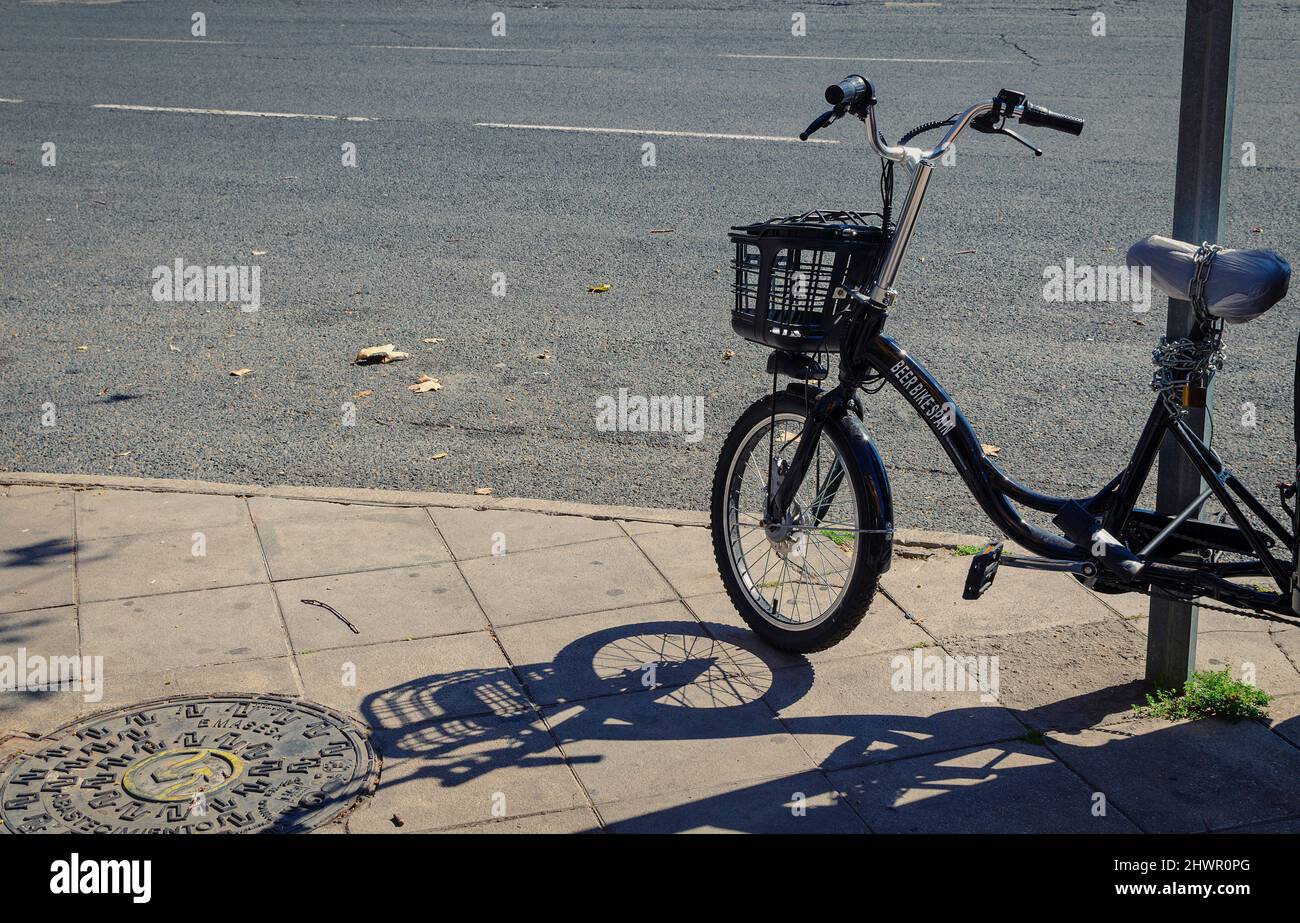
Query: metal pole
{"points": [[1200, 193]]}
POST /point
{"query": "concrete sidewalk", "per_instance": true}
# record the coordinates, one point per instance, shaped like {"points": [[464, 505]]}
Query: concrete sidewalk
{"points": [[505, 690]]}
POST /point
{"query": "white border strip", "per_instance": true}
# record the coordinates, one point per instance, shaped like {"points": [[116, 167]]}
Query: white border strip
{"points": [[156, 41], [449, 48], [712, 136], [123, 107], [808, 57]]}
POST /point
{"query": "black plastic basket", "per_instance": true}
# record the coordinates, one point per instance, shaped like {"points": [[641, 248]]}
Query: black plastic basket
{"points": [[793, 276]]}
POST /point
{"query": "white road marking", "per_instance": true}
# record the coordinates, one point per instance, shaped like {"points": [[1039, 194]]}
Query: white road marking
{"points": [[448, 48], [265, 115], [3, 100], [715, 136], [808, 57], [160, 41]]}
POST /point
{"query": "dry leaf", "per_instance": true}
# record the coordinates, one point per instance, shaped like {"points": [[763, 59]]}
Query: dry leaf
{"points": [[240, 373], [990, 450], [434, 340], [82, 349], [544, 354], [728, 354], [661, 230], [438, 455], [364, 393], [483, 491], [1257, 230], [386, 353], [426, 383], [598, 289], [259, 253]]}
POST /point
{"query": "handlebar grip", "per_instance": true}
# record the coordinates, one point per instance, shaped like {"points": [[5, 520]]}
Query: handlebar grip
{"points": [[1046, 118], [853, 91]]}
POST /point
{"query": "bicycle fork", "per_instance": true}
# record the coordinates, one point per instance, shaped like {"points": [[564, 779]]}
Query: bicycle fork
{"points": [[779, 501]]}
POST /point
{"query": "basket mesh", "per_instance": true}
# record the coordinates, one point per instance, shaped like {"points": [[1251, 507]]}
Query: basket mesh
{"points": [[792, 276]]}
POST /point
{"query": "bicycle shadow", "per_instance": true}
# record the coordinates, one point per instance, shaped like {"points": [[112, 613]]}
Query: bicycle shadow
{"points": [[674, 681]]}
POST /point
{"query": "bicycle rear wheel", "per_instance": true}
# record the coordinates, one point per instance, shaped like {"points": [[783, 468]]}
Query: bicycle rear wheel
{"points": [[803, 585]]}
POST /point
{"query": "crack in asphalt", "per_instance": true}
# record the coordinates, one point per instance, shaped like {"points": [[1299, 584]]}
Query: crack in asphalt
{"points": [[1010, 44]]}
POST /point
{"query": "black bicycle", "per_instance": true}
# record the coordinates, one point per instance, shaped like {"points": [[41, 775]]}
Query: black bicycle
{"points": [[802, 516]]}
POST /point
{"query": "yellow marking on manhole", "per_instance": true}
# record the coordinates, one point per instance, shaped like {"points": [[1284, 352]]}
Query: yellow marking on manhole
{"points": [[179, 774]]}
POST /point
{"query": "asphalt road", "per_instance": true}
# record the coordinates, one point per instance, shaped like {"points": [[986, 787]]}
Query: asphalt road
{"points": [[404, 246]]}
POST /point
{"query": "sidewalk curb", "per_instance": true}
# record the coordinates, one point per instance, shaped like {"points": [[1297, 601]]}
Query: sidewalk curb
{"points": [[916, 538]]}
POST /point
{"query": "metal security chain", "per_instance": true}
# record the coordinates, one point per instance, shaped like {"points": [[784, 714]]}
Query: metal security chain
{"points": [[1204, 260], [1183, 363], [1187, 363], [1245, 613]]}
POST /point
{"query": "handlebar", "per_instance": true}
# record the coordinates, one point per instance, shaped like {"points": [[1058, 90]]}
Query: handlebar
{"points": [[852, 92], [855, 94], [1046, 118]]}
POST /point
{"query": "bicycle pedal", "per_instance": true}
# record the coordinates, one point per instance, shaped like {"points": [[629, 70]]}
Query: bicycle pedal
{"points": [[983, 568]]}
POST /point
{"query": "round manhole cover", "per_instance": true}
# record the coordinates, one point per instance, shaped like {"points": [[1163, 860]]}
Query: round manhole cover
{"points": [[192, 764]]}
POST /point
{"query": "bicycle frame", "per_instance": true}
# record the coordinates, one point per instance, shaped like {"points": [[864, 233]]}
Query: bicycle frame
{"points": [[1178, 555], [1177, 551]]}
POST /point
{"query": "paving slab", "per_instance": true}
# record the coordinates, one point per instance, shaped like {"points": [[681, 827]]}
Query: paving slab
{"points": [[801, 803], [1253, 656], [28, 517], [1187, 776], [1018, 601], [456, 772], [385, 605], [666, 740], [1068, 676], [858, 711], [110, 513], [883, 628], [576, 820], [174, 630], [528, 586], [607, 653], [49, 632], [396, 685], [166, 562], [482, 533], [36, 551], [304, 539], [684, 555], [1284, 718], [636, 527], [42, 713], [1001, 788]]}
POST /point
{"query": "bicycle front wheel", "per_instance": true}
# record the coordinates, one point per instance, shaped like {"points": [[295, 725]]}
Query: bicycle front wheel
{"points": [[804, 584]]}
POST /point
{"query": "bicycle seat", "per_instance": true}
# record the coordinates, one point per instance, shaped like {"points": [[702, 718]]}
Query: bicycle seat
{"points": [[1241, 286]]}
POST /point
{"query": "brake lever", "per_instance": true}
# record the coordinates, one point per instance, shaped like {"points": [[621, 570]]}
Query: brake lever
{"points": [[830, 115], [985, 124], [1011, 134]]}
